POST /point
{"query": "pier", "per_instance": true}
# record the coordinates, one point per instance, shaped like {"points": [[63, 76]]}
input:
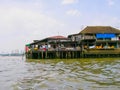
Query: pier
{"points": [[73, 54], [54, 55]]}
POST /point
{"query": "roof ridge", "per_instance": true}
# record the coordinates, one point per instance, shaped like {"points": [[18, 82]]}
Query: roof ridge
{"points": [[98, 26]]}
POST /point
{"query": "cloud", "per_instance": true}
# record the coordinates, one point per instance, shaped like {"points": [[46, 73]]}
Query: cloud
{"points": [[19, 26], [64, 2], [111, 2], [73, 12], [105, 20]]}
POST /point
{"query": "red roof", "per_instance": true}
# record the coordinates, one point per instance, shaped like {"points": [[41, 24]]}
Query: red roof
{"points": [[57, 37]]}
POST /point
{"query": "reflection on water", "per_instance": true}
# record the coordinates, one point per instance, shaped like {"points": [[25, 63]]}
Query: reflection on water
{"points": [[82, 74]]}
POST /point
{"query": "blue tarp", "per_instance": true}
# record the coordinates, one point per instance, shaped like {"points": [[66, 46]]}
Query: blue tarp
{"points": [[105, 35]]}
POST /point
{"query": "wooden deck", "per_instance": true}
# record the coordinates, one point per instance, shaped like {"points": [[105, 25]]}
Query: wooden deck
{"points": [[88, 53], [54, 54], [101, 53]]}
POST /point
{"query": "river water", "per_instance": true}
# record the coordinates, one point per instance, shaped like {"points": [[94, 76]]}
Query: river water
{"points": [[84, 74]]}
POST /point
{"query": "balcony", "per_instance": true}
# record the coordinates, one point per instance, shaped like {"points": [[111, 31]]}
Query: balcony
{"points": [[88, 37]]}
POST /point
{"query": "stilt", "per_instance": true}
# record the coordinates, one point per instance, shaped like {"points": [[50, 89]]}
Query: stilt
{"points": [[42, 54]]}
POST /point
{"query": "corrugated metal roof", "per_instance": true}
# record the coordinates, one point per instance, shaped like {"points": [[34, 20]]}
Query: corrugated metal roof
{"points": [[99, 29], [57, 37], [51, 38]]}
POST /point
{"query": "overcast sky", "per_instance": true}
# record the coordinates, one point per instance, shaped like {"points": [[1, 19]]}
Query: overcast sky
{"points": [[22, 21]]}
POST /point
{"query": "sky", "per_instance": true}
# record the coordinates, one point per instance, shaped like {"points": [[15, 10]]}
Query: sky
{"points": [[22, 21]]}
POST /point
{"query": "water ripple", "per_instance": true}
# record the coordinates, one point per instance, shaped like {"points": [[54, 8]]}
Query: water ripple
{"points": [[83, 74]]}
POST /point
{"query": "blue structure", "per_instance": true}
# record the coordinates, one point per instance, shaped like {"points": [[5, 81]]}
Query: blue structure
{"points": [[105, 35]]}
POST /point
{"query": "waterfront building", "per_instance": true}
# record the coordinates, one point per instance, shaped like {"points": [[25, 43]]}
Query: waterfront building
{"points": [[53, 43], [98, 40], [52, 47], [92, 41]]}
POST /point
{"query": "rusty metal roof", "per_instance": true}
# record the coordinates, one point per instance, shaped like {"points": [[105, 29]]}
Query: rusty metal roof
{"points": [[57, 37], [99, 29]]}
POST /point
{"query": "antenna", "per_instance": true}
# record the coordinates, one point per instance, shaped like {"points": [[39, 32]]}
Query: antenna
{"points": [[58, 33], [82, 26]]}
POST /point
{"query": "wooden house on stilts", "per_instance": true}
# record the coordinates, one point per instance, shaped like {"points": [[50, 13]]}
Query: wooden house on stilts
{"points": [[98, 41], [92, 41], [53, 47]]}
